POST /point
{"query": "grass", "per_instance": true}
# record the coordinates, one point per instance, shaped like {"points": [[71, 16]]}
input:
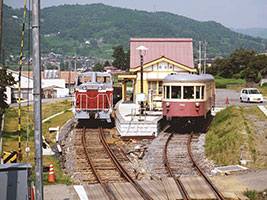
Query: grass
{"points": [[10, 136], [224, 138], [223, 82], [235, 128], [254, 195]]}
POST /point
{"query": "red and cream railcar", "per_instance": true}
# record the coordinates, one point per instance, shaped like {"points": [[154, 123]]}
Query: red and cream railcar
{"points": [[93, 96], [188, 96]]}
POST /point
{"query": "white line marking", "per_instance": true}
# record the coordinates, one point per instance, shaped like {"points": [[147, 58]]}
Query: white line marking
{"points": [[81, 192]]}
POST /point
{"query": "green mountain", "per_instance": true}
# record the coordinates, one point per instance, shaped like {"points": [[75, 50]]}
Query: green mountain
{"points": [[255, 32], [69, 28]]}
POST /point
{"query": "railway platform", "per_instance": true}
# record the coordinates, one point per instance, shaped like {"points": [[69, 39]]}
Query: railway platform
{"points": [[164, 189], [130, 123]]}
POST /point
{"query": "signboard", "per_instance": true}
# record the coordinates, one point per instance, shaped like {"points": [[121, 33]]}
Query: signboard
{"points": [[140, 97]]}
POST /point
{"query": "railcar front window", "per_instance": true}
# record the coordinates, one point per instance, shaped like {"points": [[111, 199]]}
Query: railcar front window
{"points": [[87, 79], [188, 92], [197, 92], [167, 92], [176, 92]]}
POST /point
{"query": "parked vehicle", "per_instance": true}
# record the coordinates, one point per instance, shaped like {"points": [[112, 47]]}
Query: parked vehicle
{"points": [[251, 95]]}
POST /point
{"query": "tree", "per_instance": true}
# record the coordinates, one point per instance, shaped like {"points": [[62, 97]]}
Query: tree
{"points": [[98, 67], [127, 60], [119, 55], [6, 79], [106, 63]]}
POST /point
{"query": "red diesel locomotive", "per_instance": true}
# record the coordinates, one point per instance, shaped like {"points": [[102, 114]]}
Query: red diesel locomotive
{"points": [[188, 97], [93, 96]]}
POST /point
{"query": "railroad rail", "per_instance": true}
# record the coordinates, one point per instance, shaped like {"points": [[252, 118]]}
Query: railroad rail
{"points": [[213, 187], [195, 165], [108, 192], [168, 168], [121, 170]]}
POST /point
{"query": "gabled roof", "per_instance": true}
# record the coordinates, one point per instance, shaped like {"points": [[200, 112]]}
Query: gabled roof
{"points": [[164, 59], [179, 50]]}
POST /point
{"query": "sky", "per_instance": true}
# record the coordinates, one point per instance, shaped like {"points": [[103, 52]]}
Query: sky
{"points": [[230, 13]]}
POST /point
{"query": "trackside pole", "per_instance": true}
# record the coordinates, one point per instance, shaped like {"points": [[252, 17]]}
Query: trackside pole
{"points": [[37, 99]]}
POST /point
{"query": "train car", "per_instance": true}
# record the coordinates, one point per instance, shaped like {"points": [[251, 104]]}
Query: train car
{"points": [[188, 97], [93, 96]]}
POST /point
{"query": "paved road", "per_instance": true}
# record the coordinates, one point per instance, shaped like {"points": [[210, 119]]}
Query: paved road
{"points": [[233, 98]]}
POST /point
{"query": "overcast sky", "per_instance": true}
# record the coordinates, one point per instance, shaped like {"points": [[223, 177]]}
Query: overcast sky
{"points": [[230, 13]]}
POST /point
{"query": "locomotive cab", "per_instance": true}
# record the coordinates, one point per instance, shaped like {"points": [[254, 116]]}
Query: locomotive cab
{"points": [[93, 96]]}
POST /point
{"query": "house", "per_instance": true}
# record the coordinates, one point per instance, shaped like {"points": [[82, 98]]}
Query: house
{"points": [[26, 88], [162, 57]]}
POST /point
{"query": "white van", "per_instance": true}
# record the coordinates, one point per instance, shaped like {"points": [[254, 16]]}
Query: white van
{"points": [[251, 95]]}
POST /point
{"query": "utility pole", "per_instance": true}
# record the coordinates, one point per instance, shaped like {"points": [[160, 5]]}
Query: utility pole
{"points": [[1, 23], [205, 55], [37, 99], [199, 57]]}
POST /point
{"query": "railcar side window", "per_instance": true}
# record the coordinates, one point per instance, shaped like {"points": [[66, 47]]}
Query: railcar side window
{"points": [[203, 92], [188, 92], [197, 92], [176, 92]]}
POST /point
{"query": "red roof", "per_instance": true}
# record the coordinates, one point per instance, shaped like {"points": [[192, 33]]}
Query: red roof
{"points": [[177, 49]]}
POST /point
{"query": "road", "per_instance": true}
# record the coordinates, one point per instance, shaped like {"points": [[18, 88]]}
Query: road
{"points": [[233, 99]]}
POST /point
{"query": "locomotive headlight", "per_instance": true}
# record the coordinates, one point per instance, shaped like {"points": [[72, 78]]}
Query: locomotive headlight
{"points": [[197, 105], [167, 104]]}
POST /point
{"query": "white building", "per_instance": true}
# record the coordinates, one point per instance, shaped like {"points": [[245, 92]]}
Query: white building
{"points": [[56, 87]]}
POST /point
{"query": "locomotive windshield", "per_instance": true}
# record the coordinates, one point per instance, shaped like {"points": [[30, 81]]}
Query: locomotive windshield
{"points": [[94, 78]]}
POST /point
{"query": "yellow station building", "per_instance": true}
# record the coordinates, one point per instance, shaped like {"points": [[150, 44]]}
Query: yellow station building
{"points": [[162, 57]]}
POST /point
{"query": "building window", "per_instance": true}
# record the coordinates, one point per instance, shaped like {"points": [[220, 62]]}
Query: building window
{"points": [[152, 85], [160, 87], [156, 86]]}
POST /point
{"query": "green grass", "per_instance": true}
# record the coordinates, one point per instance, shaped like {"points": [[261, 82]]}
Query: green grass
{"points": [[235, 127], [223, 82], [254, 195], [10, 136], [224, 138]]}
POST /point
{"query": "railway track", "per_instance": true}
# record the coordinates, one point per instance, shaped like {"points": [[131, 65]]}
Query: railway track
{"points": [[183, 161], [103, 163]]}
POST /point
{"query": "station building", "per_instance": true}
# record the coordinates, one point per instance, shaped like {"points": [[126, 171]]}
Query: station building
{"points": [[162, 57]]}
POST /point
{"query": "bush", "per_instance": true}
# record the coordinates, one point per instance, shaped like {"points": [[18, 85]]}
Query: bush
{"points": [[220, 85], [251, 194]]}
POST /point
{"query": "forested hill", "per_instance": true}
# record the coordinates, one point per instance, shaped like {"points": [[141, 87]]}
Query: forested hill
{"points": [[65, 29]]}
